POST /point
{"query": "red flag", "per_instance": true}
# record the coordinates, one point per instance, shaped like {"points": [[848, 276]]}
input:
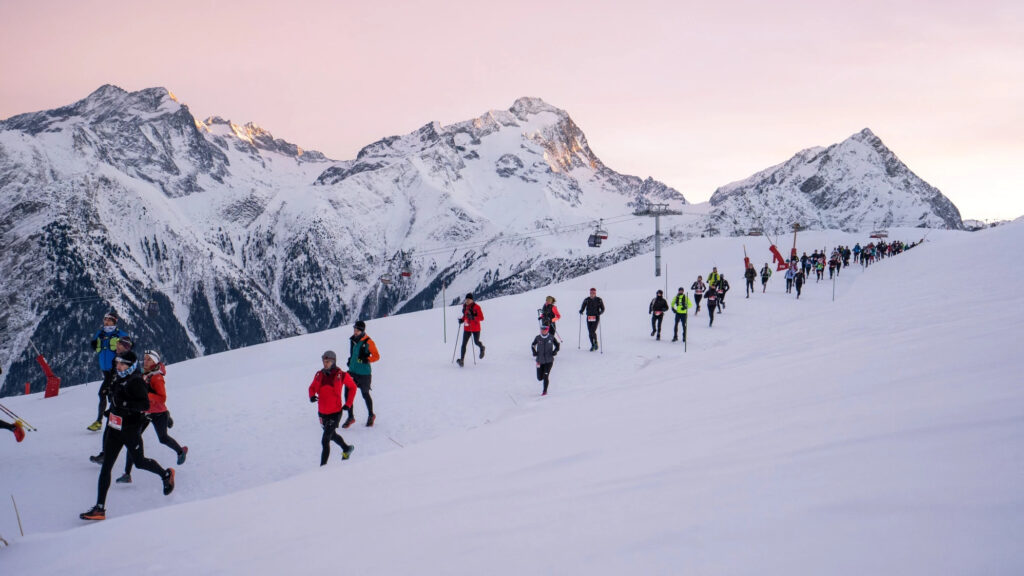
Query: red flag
{"points": [[52, 382], [781, 262]]}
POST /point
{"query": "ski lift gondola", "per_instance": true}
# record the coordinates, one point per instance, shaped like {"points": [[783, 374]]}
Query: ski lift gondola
{"points": [[755, 232], [594, 241], [385, 279], [880, 233]]}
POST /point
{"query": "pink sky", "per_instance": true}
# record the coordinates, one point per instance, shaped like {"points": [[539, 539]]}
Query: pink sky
{"points": [[695, 94]]}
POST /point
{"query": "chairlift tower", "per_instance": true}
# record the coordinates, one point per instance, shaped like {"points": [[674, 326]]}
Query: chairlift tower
{"points": [[657, 211]]}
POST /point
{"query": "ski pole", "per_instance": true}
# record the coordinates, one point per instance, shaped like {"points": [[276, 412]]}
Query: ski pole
{"points": [[456, 346], [17, 418], [579, 334], [600, 333]]}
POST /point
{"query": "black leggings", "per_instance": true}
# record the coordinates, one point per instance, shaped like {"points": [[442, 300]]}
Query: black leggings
{"points": [[330, 424], [543, 372], [129, 438], [108, 377], [363, 382], [656, 320], [159, 420], [592, 331], [712, 305], [465, 341], [696, 298]]}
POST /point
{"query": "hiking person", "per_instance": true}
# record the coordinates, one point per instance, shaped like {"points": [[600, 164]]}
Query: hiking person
{"points": [[713, 277], [153, 372], [124, 344], [766, 273], [657, 309], [471, 317], [104, 342], [548, 314], [325, 392], [750, 274], [798, 281], [711, 300], [790, 275], [722, 286], [698, 288], [545, 348], [362, 351], [129, 402], [593, 306], [680, 305]]}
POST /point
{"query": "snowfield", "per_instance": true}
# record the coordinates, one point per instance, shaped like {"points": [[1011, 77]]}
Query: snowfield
{"points": [[881, 432]]}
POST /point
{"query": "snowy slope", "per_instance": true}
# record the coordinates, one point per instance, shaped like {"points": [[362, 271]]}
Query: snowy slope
{"points": [[881, 432]]}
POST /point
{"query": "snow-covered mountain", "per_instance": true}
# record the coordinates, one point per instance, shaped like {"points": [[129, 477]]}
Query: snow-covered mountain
{"points": [[857, 184], [208, 235]]}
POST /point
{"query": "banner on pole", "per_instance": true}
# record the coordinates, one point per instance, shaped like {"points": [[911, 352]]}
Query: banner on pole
{"points": [[52, 381]]}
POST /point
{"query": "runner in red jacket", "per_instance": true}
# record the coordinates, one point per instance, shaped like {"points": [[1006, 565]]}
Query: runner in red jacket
{"points": [[326, 391], [153, 372], [471, 317]]}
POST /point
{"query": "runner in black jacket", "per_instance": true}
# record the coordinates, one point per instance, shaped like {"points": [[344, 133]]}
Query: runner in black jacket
{"points": [[593, 306], [657, 309], [129, 402]]}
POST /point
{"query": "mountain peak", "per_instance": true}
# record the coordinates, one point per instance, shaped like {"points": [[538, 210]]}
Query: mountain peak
{"points": [[528, 106]]}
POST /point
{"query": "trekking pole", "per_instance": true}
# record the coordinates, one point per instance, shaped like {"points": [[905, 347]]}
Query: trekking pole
{"points": [[579, 334], [600, 333], [17, 418], [18, 514], [456, 339]]}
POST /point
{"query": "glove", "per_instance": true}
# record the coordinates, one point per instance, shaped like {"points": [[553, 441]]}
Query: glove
{"points": [[460, 320], [364, 356], [313, 398], [93, 344]]}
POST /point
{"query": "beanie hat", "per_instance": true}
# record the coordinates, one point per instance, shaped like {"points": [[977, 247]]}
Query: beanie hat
{"points": [[126, 340], [329, 355], [112, 315], [360, 325], [469, 296], [126, 357], [153, 355], [545, 328]]}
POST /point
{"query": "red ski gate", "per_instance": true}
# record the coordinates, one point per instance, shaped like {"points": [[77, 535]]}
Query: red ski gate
{"points": [[52, 381]]}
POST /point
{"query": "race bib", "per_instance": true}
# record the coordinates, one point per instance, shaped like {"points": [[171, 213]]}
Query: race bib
{"points": [[114, 422], [591, 318]]}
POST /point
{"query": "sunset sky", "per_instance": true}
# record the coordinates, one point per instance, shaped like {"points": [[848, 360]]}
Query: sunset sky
{"points": [[695, 94]]}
